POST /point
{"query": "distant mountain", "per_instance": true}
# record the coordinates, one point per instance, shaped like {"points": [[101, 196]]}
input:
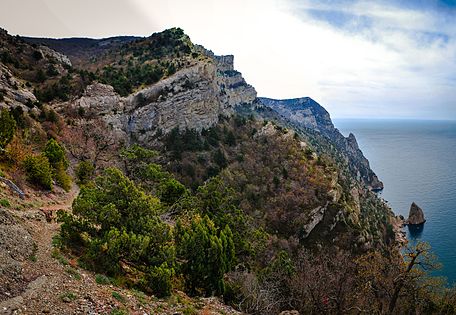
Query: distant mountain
{"points": [[305, 112], [80, 50]]}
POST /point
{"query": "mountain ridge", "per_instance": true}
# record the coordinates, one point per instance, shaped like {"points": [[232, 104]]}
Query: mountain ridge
{"points": [[307, 113]]}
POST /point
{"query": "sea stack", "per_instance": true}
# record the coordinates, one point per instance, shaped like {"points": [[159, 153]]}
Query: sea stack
{"points": [[416, 215]]}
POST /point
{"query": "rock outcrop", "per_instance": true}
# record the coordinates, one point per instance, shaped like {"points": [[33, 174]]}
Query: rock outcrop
{"points": [[12, 90], [306, 113], [416, 215], [193, 98], [16, 246]]}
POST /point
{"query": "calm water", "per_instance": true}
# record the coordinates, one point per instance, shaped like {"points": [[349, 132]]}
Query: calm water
{"points": [[416, 160]]}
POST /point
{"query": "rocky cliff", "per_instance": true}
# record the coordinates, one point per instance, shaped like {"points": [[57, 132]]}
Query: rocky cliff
{"points": [[192, 98], [305, 112]]}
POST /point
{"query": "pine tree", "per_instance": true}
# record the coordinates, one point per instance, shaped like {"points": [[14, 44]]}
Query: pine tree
{"points": [[207, 255]]}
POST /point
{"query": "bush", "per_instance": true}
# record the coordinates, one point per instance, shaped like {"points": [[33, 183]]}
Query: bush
{"points": [[84, 172], [113, 221], [7, 128], [55, 154], [171, 190], [62, 178], [207, 254], [220, 158], [159, 280], [102, 279], [38, 170]]}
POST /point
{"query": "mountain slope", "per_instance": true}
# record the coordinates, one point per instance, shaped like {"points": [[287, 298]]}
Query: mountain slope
{"points": [[306, 113], [271, 183]]}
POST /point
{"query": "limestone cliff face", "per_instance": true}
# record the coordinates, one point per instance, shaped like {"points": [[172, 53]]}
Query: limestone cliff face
{"points": [[307, 113], [13, 92], [193, 98]]}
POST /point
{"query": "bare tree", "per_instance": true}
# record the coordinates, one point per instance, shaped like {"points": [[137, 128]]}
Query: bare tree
{"points": [[91, 140]]}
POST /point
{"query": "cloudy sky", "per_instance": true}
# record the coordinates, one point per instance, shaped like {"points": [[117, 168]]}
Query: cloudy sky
{"points": [[394, 59]]}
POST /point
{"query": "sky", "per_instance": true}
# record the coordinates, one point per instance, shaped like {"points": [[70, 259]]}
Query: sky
{"points": [[359, 59]]}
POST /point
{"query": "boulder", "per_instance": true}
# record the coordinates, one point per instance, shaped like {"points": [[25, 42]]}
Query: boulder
{"points": [[416, 215]]}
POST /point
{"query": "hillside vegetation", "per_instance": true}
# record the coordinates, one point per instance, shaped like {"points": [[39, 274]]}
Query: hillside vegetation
{"points": [[246, 206]]}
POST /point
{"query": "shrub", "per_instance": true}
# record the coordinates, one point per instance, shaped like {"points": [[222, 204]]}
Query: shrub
{"points": [[207, 254], [117, 311], [18, 115], [114, 220], [159, 280], [171, 190], [37, 55], [73, 273], [230, 138], [68, 296], [220, 158], [102, 279], [62, 178], [84, 172], [7, 128], [55, 154], [38, 170], [40, 76]]}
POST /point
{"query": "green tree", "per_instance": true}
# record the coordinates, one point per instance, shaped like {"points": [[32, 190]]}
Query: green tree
{"points": [[7, 128], [218, 201], [56, 156], [55, 153], [84, 172], [117, 223], [39, 171], [170, 190], [207, 254]]}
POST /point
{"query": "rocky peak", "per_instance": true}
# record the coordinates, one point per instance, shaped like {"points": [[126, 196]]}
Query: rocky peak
{"points": [[416, 215], [351, 139]]}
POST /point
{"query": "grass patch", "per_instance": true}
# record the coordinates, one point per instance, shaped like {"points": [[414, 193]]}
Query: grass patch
{"points": [[57, 241], [73, 273], [5, 203], [60, 258], [118, 311], [140, 296], [32, 257], [119, 297], [102, 279], [189, 310], [68, 296]]}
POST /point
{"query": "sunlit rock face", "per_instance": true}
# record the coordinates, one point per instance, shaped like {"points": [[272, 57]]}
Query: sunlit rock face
{"points": [[192, 98]]}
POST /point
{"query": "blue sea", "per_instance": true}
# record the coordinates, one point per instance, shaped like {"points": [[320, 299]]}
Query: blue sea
{"points": [[416, 160]]}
